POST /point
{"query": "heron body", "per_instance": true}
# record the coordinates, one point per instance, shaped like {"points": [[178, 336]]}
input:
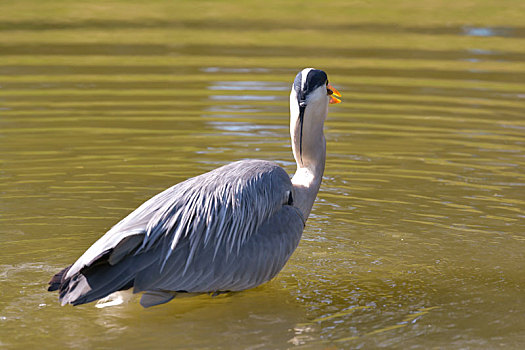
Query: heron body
{"points": [[230, 229]]}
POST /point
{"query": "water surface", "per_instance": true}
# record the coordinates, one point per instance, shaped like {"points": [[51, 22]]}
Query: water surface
{"points": [[417, 236]]}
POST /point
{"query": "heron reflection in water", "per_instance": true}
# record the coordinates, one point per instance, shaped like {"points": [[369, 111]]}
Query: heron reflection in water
{"points": [[230, 229]]}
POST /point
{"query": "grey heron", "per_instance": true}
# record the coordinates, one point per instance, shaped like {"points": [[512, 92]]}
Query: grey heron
{"points": [[230, 229]]}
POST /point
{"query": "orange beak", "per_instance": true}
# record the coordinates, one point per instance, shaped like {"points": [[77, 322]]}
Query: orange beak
{"points": [[335, 96]]}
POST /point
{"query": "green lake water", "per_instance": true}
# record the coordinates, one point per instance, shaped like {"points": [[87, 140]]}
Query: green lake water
{"points": [[417, 238]]}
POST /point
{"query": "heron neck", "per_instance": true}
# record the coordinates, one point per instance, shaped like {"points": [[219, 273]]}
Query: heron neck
{"points": [[310, 166]]}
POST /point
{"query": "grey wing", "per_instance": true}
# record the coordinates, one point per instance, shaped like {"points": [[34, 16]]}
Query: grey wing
{"points": [[262, 256], [229, 229]]}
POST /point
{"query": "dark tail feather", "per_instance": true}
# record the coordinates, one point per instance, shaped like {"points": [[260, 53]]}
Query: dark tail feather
{"points": [[101, 279], [91, 283], [56, 282], [112, 270], [98, 283]]}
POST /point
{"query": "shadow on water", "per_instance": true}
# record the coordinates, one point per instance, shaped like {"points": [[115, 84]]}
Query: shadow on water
{"points": [[268, 316]]}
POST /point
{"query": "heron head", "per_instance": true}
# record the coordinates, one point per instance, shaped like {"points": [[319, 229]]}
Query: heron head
{"points": [[309, 99], [311, 87]]}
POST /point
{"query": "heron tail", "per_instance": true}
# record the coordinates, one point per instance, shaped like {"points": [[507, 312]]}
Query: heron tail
{"points": [[93, 282], [58, 279], [110, 271]]}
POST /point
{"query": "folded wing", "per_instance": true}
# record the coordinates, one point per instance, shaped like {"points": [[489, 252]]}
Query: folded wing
{"points": [[230, 229]]}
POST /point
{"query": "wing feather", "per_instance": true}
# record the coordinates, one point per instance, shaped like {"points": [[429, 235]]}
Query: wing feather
{"points": [[228, 229]]}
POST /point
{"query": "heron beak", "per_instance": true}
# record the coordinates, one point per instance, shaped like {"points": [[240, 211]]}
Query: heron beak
{"points": [[335, 96]]}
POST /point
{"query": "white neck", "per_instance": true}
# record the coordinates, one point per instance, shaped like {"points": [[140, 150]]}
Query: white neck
{"points": [[311, 156]]}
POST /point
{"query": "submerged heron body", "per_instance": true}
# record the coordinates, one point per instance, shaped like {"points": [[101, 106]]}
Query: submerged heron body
{"points": [[230, 229]]}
